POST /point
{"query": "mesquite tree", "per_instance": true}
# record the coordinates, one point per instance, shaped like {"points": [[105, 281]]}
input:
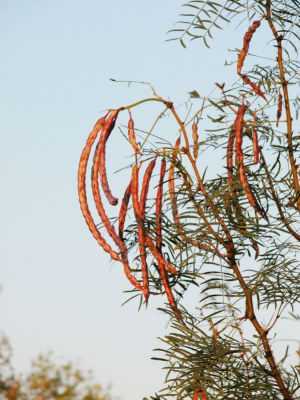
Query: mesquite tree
{"points": [[235, 234]]}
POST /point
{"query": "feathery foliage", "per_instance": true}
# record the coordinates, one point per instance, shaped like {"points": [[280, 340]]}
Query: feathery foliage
{"points": [[235, 234]]}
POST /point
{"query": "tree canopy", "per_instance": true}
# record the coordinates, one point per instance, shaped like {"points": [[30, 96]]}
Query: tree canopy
{"points": [[233, 233]]}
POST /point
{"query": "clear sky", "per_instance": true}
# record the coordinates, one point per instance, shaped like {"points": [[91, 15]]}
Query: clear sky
{"points": [[60, 291]]}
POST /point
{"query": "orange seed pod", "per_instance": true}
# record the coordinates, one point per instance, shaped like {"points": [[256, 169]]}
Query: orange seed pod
{"points": [[82, 190], [123, 210], [131, 135], [229, 154], [110, 229], [248, 191], [247, 39], [159, 258], [239, 122], [256, 89], [158, 208], [106, 131], [195, 140], [145, 187], [135, 194], [98, 202], [141, 230]]}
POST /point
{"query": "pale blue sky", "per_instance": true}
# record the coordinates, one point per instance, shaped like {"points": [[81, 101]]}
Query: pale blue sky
{"points": [[60, 291]]}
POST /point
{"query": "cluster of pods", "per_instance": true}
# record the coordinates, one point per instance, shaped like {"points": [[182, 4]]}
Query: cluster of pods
{"points": [[237, 137], [239, 124], [240, 63], [102, 130]]}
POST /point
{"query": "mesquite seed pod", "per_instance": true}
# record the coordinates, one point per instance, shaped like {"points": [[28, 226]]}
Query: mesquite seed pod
{"points": [[247, 39], [255, 141], [279, 109], [140, 222], [242, 55], [229, 154], [85, 209], [168, 290], [123, 210], [135, 194], [195, 140], [145, 187], [239, 122], [256, 89], [141, 230], [162, 270], [142, 247], [106, 221], [248, 191], [131, 135], [82, 190], [98, 202], [108, 127], [157, 255], [158, 204]]}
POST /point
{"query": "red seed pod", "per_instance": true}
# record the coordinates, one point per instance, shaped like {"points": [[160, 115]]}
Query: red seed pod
{"points": [[229, 154], [256, 89], [135, 194], [108, 127], [85, 209], [159, 258], [255, 141], [142, 247], [248, 191], [123, 210], [140, 222], [171, 182], [130, 277], [141, 229], [82, 190], [98, 202], [168, 290], [107, 224], [195, 140], [131, 135], [158, 209], [279, 109], [145, 187], [239, 124], [162, 270], [139, 210], [247, 39]]}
